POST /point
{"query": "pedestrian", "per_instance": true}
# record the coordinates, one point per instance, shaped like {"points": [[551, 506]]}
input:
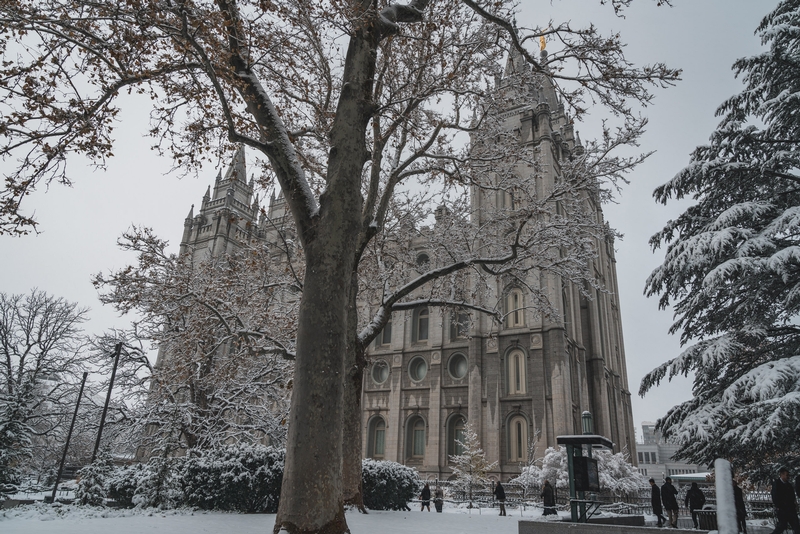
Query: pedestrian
{"points": [[425, 497], [669, 496], [438, 498], [785, 503], [694, 501], [741, 511], [655, 502], [548, 499], [500, 495]]}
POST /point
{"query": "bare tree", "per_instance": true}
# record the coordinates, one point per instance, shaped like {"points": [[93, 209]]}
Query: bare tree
{"points": [[225, 328], [43, 359], [349, 101]]}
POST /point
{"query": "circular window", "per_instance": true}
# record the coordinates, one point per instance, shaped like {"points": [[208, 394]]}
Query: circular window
{"points": [[380, 371], [457, 366], [418, 368]]}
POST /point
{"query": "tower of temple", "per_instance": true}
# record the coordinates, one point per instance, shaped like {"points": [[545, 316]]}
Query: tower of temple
{"points": [[228, 218], [520, 386]]}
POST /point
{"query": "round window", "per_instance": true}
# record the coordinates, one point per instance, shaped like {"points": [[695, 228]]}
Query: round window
{"points": [[380, 371], [457, 366], [418, 368]]}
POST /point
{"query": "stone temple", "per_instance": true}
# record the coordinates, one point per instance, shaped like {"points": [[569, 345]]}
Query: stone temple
{"points": [[518, 385]]}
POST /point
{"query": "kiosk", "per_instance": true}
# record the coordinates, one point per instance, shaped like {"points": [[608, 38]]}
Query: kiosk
{"points": [[583, 475]]}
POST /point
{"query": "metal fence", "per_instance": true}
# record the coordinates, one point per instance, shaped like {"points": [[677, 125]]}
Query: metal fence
{"points": [[758, 503]]}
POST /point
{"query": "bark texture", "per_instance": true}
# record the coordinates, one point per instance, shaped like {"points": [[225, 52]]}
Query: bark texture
{"points": [[312, 496]]}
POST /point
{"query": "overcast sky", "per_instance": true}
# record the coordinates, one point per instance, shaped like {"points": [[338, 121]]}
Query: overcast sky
{"points": [[79, 226]]}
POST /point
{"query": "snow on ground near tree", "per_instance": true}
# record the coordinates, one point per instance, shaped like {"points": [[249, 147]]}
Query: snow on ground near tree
{"points": [[44, 519]]}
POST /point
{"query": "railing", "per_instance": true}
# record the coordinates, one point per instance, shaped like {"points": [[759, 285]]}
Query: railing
{"points": [[759, 503]]}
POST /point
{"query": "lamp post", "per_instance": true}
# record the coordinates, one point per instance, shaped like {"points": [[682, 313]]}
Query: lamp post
{"points": [[69, 437], [587, 422], [117, 351]]}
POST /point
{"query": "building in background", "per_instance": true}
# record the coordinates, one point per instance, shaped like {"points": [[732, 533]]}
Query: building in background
{"points": [[654, 456]]}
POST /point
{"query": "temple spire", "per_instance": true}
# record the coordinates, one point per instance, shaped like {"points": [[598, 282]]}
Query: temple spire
{"points": [[237, 170]]}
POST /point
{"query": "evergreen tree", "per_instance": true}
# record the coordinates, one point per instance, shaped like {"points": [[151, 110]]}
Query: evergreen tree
{"points": [[732, 268], [92, 483]]}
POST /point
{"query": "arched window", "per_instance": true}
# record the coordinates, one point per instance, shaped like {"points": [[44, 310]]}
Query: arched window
{"points": [[459, 325], [415, 438], [385, 336], [515, 373], [515, 309], [377, 438], [455, 435], [421, 322], [518, 439]]}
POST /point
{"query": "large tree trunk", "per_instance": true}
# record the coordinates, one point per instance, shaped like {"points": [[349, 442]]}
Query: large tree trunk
{"points": [[311, 496], [313, 474], [351, 422]]}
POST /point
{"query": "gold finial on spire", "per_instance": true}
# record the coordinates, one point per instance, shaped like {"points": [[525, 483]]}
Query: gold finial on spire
{"points": [[542, 42]]}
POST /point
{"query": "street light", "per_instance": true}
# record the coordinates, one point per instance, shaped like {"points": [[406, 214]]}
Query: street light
{"points": [[117, 351], [588, 425]]}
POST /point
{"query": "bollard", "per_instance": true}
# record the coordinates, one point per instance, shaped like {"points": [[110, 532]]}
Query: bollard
{"points": [[726, 509]]}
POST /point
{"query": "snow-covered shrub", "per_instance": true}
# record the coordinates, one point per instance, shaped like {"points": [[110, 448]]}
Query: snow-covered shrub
{"points": [[243, 478], [121, 483], [388, 485], [92, 480], [158, 484], [553, 468], [617, 474]]}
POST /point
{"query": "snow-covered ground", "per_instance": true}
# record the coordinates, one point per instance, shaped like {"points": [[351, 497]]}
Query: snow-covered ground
{"points": [[43, 518], [46, 519]]}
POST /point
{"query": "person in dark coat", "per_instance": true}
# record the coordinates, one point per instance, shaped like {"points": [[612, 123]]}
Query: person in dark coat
{"points": [[655, 502], [438, 499], [669, 496], [694, 501], [785, 504], [500, 495], [741, 511], [425, 497], [548, 499]]}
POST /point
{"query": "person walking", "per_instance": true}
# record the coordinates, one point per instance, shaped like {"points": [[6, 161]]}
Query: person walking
{"points": [[500, 495], [655, 502], [669, 496], [425, 497], [548, 499], [741, 511], [785, 503], [694, 501]]}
